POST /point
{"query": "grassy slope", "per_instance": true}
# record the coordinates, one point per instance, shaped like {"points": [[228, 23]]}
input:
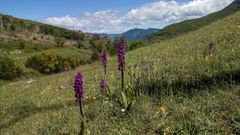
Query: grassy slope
{"points": [[21, 28], [194, 24], [37, 37], [176, 64], [64, 52]]}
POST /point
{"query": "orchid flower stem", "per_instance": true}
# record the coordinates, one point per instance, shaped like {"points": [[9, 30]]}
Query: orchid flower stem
{"points": [[80, 106], [122, 75]]}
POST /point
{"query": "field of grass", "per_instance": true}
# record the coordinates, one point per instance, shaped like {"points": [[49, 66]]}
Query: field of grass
{"points": [[189, 88], [71, 52]]}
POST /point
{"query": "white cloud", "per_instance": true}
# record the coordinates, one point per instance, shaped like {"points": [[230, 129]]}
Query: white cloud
{"points": [[156, 14], [172, 11], [99, 22]]}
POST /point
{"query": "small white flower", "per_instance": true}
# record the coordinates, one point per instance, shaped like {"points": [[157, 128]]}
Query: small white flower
{"points": [[29, 81], [123, 110], [107, 98]]}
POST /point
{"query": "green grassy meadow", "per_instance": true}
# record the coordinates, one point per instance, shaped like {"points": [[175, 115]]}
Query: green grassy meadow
{"points": [[186, 88], [71, 52]]}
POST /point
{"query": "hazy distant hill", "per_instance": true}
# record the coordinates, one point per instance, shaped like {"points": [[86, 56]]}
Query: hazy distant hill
{"points": [[194, 24], [136, 33], [132, 34], [111, 37]]}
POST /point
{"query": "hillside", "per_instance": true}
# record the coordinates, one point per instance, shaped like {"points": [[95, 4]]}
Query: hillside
{"points": [[16, 32], [22, 39], [194, 24], [19, 29], [190, 85]]}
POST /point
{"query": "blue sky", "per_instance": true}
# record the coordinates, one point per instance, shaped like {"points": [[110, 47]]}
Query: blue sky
{"points": [[41, 9], [110, 16]]}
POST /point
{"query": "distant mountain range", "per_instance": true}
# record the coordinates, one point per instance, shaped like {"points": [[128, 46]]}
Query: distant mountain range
{"points": [[132, 34]]}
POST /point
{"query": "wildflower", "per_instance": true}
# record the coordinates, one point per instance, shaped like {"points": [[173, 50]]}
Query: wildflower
{"points": [[121, 60], [210, 45], [138, 87], [103, 85], [123, 110], [94, 98], [162, 110], [208, 50], [128, 86], [104, 60], [121, 56], [166, 130], [78, 87]]}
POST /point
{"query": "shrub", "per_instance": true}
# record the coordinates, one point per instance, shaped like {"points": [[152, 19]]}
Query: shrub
{"points": [[49, 63], [44, 63], [66, 64], [9, 69], [60, 41], [95, 55], [135, 44]]}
